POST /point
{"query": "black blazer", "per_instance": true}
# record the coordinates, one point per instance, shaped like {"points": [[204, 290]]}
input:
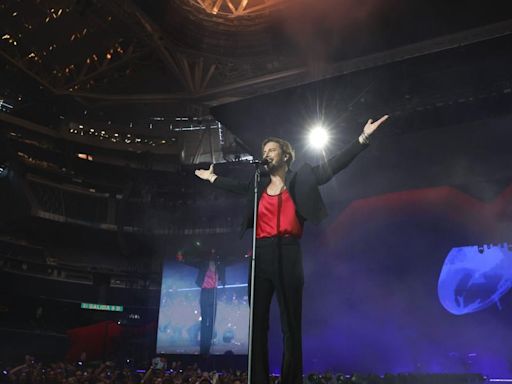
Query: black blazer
{"points": [[301, 184], [202, 268]]}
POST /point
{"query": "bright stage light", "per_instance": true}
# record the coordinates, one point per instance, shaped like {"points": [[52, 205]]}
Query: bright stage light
{"points": [[318, 137]]}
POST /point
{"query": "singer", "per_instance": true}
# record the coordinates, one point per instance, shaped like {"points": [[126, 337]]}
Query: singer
{"points": [[286, 199]]}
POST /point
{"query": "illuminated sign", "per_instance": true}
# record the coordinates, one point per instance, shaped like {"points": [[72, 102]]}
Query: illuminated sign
{"points": [[102, 307]]}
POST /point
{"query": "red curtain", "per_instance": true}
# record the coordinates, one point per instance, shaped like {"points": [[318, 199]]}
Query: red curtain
{"points": [[98, 341]]}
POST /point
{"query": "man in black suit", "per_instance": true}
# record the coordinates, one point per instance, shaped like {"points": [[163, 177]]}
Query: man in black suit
{"points": [[286, 199], [211, 272]]}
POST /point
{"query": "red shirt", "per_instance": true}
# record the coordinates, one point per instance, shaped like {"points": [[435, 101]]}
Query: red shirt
{"points": [[277, 216], [210, 279]]}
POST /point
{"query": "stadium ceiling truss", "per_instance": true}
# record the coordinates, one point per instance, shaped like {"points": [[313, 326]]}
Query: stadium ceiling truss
{"points": [[71, 48], [236, 8], [97, 51]]}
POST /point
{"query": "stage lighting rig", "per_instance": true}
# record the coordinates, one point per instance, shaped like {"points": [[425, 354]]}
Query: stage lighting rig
{"points": [[4, 106], [4, 170]]}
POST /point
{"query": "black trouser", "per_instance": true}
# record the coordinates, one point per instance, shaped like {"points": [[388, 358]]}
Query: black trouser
{"points": [[279, 270], [208, 303]]}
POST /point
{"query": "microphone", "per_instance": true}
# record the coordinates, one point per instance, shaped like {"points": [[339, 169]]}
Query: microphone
{"points": [[262, 162]]}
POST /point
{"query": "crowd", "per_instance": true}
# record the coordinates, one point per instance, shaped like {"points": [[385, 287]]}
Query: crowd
{"points": [[32, 372], [82, 372]]}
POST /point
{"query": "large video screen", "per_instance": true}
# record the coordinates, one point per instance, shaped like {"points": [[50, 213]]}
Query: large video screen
{"points": [[204, 301], [411, 281]]}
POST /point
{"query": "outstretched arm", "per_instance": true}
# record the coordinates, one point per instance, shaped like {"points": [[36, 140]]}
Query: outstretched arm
{"points": [[206, 174], [326, 170], [222, 182]]}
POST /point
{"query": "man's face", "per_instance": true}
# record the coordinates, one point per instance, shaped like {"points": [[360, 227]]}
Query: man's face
{"points": [[272, 151]]}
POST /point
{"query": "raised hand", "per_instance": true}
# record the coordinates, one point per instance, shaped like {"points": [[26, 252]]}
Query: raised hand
{"points": [[371, 126], [205, 174]]}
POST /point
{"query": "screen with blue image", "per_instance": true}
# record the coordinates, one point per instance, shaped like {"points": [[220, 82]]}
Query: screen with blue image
{"points": [[416, 280], [199, 314], [475, 277]]}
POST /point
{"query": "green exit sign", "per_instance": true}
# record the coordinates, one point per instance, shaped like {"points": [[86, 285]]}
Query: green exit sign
{"points": [[102, 307]]}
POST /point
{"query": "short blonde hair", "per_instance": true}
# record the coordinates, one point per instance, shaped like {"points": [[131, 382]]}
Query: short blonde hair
{"points": [[285, 146]]}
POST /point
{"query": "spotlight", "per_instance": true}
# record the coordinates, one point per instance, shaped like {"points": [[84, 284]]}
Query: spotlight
{"points": [[318, 137]]}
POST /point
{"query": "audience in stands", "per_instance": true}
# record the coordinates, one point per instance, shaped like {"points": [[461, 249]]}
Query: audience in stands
{"points": [[110, 373]]}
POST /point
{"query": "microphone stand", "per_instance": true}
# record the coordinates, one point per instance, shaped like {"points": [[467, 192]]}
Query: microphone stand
{"points": [[257, 175]]}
